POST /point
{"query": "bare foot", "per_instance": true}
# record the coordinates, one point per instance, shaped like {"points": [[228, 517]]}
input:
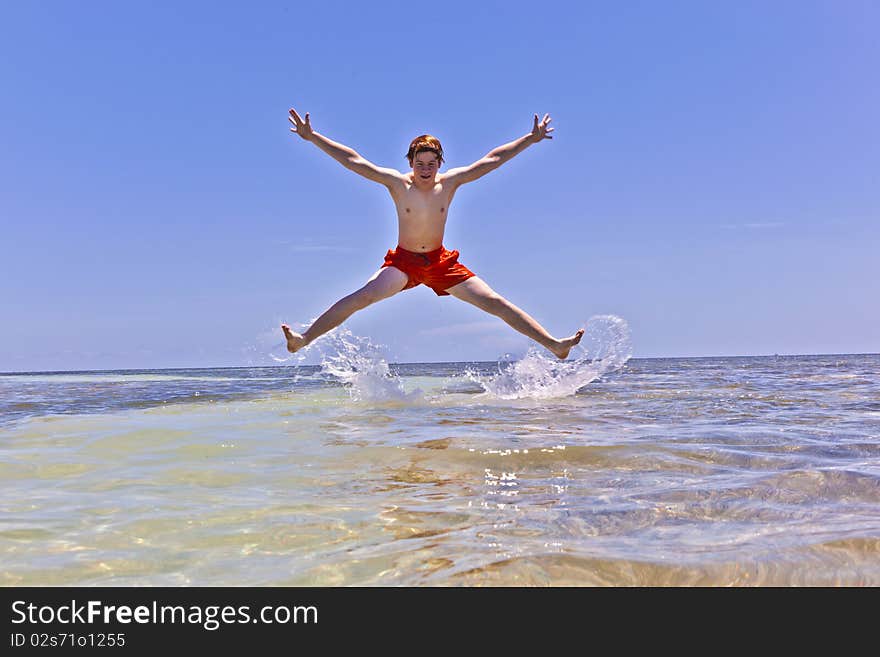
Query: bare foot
{"points": [[561, 350], [295, 341]]}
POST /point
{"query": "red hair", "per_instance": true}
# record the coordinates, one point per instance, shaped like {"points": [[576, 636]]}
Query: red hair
{"points": [[425, 144]]}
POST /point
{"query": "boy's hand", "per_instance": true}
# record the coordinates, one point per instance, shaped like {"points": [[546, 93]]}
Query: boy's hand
{"points": [[304, 128], [540, 131]]}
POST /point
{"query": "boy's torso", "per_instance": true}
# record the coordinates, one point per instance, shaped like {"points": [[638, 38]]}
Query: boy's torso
{"points": [[421, 214]]}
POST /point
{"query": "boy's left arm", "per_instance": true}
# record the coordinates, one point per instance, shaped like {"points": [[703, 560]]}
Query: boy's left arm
{"points": [[500, 155]]}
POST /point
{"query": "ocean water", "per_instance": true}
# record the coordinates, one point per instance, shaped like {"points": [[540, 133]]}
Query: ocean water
{"points": [[603, 470]]}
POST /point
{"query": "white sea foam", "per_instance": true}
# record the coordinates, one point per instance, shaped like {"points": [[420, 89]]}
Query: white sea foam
{"points": [[605, 347]]}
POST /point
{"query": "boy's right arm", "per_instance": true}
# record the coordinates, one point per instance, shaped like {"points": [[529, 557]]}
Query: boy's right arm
{"points": [[347, 157]]}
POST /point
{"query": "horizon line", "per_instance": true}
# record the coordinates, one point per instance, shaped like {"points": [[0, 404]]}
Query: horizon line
{"points": [[439, 362]]}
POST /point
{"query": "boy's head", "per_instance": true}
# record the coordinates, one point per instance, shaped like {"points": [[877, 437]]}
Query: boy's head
{"points": [[425, 144]]}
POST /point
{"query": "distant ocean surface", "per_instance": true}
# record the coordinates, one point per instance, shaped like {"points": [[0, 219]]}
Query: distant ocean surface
{"points": [[602, 471]]}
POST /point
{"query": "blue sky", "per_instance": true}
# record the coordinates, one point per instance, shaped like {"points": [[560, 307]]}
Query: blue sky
{"points": [[713, 178]]}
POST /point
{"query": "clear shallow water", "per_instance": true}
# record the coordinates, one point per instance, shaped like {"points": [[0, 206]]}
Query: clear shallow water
{"points": [[727, 471]]}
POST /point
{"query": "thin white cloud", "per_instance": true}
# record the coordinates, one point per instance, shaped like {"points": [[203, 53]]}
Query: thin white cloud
{"points": [[755, 225], [309, 245], [315, 248], [467, 328]]}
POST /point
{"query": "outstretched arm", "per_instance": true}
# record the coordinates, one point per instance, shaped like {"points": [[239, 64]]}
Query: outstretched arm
{"points": [[500, 155], [347, 157]]}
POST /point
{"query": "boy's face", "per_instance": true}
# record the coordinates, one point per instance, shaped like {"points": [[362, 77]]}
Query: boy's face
{"points": [[425, 166]]}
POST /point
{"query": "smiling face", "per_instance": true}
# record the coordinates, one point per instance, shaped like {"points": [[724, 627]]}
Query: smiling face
{"points": [[425, 156], [425, 167]]}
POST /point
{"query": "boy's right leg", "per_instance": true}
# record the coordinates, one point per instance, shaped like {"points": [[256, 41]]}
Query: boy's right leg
{"points": [[385, 283]]}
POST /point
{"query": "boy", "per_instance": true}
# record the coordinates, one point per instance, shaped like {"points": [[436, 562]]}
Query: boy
{"points": [[422, 199]]}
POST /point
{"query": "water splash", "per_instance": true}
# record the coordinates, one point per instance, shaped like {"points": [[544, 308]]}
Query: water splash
{"points": [[269, 346], [304, 356], [605, 347], [352, 360], [361, 367]]}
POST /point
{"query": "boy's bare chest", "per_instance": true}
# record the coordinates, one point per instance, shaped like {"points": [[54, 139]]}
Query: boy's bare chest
{"points": [[418, 205]]}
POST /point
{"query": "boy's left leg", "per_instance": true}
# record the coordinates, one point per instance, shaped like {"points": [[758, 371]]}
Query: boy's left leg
{"points": [[477, 292]]}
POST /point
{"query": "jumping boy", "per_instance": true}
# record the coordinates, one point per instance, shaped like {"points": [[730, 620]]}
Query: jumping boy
{"points": [[422, 199]]}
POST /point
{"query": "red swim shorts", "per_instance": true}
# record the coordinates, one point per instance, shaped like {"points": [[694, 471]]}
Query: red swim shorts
{"points": [[439, 269]]}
